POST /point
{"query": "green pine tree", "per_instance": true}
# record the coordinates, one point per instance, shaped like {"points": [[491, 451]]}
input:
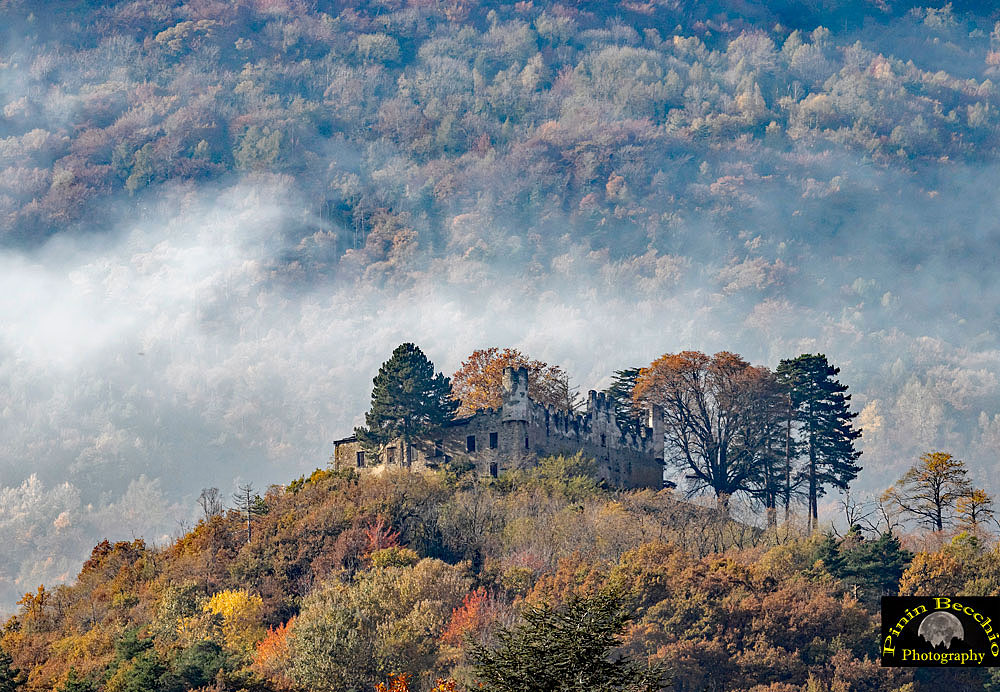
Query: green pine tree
{"points": [[874, 567], [11, 678], [408, 401], [564, 649], [823, 414], [620, 392], [74, 683], [828, 552]]}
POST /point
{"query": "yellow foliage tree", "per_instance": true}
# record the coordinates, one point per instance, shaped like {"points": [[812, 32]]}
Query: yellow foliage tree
{"points": [[241, 614], [974, 509], [930, 489]]}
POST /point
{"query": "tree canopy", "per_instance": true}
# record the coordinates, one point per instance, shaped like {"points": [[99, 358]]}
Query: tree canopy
{"points": [[716, 428], [565, 649], [408, 400], [478, 383], [823, 416], [11, 678], [930, 490]]}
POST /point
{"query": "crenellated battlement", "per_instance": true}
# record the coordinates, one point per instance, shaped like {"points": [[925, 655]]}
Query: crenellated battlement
{"points": [[598, 423], [521, 430]]}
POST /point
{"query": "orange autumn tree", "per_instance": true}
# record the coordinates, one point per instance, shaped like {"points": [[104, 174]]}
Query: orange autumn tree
{"points": [[401, 683], [478, 383], [397, 683], [477, 612], [718, 417], [271, 656]]}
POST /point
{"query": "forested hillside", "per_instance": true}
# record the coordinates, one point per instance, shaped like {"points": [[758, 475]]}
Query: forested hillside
{"points": [[350, 581], [215, 217], [635, 128]]}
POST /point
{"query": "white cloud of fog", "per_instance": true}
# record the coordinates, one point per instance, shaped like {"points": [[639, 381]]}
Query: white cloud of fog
{"points": [[140, 365]]}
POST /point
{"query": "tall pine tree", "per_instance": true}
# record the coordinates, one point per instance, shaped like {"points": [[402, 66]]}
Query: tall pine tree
{"points": [[620, 392], [408, 401], [823, 415]]}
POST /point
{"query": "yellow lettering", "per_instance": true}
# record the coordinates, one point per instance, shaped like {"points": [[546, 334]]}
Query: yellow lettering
{"points": [[945, 601], [978, 617]]}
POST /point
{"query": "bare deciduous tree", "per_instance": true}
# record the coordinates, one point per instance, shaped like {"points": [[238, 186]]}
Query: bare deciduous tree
{"points": [[210, 502]]}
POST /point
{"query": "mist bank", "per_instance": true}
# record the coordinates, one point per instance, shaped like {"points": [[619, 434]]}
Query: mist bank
{"points": [[180, 352]]}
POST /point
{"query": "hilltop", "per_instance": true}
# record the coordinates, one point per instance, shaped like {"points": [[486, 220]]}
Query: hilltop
{"points": [[350, 579]]}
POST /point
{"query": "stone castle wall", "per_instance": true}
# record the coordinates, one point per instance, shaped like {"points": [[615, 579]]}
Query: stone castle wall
{"points": [[521, 431]]}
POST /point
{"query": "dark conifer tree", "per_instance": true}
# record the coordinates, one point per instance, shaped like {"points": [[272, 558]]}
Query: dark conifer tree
{"points": [[11, 678], [74, 683], [876, 567], [564, 649], [620, 392], [823, 414], [408, 400]]}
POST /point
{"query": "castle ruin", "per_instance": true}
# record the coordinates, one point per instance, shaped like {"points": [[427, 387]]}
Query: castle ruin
{"points": [[520, 431]]}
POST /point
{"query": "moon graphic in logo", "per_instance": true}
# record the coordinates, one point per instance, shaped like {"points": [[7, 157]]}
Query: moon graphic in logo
{"points": [[941, 628]]}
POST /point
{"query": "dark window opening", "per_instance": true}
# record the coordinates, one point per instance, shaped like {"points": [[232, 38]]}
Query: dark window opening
{"points": [[361, 459], [526, 443], [470, 443], [390, 455], [438, 448], [447, 458], [604, 440], [494, 440], [494, 469]]}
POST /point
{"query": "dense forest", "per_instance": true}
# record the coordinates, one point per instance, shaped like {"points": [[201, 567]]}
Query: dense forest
{"points": [[618, 124], [398, 579], [215, 217]]}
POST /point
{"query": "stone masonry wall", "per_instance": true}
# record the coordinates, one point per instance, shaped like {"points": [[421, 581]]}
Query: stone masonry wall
{"points": [[521, 430]]}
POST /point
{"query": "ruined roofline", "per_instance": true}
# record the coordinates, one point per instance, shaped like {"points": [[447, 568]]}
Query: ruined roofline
{"points": [[519, 406], [597, 403]]}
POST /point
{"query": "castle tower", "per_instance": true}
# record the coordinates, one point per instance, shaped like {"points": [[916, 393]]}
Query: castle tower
{"points": [[654, 420], [515, 413], [515, 394]]}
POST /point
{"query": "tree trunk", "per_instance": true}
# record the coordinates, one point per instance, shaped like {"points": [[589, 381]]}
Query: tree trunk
{"points": [[722, 503], [788, 459], [813, 491]]}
